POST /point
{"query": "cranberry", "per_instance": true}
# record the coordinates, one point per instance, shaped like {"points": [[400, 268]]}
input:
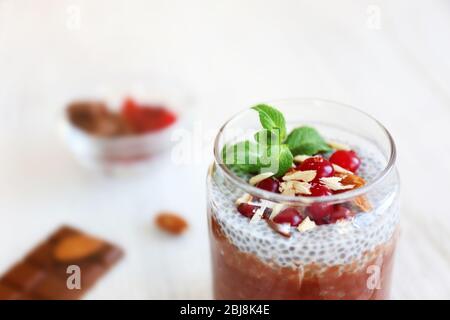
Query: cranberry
{"points": [[346, 159], [320, 212], [289, 215], [339, 212], [247, 210], [322, 166], [269, 184], [318, 190]]}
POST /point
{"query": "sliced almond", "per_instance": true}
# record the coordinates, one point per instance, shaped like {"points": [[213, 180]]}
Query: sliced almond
{"points": [[306, 225], [260, 177], [353, 179], [334, 183], [257, 215], [338, 146], [363, 203], [282, 228], [77, 247], [306, 176], [293, 187], [339, 169], [301, 158], [276, 210], [245, 198]]}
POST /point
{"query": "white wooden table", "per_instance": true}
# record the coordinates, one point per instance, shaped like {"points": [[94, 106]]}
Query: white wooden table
{"points": [[390, 58]]}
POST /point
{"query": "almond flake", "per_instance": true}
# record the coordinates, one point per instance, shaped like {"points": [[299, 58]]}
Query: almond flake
{"points": [[338, 146], [339, 169], [245, 198], [357, 181], [334, 183], [260, 177], [306, 225], [363, 203], [291, 188], [276, 210], [307, 175], [301, 158], [282, 228], [257, 215]]}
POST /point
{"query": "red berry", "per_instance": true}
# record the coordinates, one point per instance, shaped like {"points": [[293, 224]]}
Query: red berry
{"points": [[320, 212], [146, 118], [346, 159], [322, 167], [289, 215], [339, 212], [269, 184], [318, 190], [247, 210]]}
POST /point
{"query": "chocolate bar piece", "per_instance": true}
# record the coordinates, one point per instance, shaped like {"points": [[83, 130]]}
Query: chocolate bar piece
{"points": [[64, 266]]}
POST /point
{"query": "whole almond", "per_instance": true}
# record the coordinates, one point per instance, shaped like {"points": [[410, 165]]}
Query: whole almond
{"points": [[171, 223], [78, 247]]}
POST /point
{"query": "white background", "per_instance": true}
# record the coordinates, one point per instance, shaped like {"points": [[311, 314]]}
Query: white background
{"points": [[389, 58]]}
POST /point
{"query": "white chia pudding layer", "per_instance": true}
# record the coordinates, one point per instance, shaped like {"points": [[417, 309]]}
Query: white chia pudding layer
{"points": [[327, 245]]}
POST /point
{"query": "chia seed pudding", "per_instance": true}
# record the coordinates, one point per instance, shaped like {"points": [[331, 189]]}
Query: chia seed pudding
{"points": [[270, 245]]}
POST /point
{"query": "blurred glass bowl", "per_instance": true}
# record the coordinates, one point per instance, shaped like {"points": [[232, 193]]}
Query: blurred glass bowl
{"points": [[117, 153]]}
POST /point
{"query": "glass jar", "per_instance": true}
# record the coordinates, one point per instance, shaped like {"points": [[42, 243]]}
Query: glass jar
{"points": [[349, 259]]}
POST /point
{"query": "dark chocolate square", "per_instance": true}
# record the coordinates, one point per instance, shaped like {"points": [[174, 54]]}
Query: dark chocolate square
{"points": [[42, 256], [110, 255], [64, 232], [56, 286], [8, 293], [24, 276]]}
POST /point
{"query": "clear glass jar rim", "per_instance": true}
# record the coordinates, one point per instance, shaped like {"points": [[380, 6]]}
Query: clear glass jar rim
{"points": [[275, 197]]}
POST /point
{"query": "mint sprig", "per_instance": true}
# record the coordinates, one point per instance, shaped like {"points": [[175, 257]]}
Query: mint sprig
{"points": [[306, 140], [272, 151], [271, 119]]}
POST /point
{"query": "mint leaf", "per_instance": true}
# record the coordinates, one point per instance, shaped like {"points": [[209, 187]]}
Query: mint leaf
{"points": [[307, 141], [267, 137], [278, 159], [271, 119], [243, 156]]}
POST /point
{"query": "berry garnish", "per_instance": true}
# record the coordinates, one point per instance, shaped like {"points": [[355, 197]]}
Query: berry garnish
{"points": [[247, 210], [322, 167], [289, 215], [319, 190], [269, 184], [346, 159], [339, 212], [320, 212]]}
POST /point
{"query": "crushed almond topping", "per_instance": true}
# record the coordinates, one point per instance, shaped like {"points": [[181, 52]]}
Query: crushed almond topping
{"points": [[276, 210], [306, 176], [339, 169], [260, 177], [334, 183], [282, 228], [306, 225], [245, 198], [338, 146], [291, 188], [301, 158]]}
